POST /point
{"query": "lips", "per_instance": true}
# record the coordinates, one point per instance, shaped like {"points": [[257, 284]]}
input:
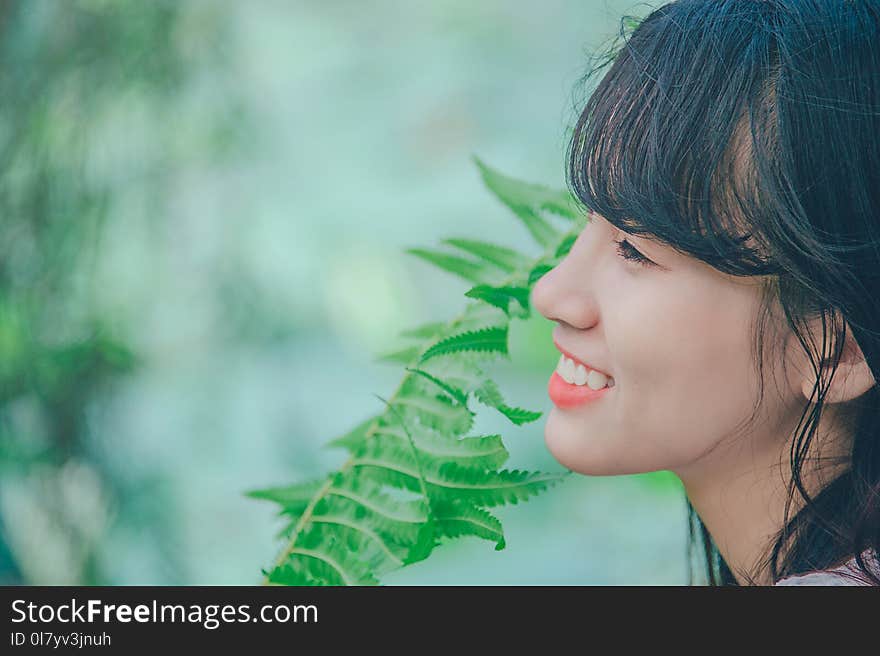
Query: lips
{"points": [[565, 395]]}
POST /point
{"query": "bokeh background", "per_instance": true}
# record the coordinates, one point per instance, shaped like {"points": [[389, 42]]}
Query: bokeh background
{"points": [[205, 206]]}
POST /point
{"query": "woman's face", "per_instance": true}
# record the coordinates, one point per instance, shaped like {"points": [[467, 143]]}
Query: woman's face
{"points": [[676, 340]]}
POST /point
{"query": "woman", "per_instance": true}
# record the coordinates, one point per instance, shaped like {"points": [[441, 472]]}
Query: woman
{"points": [[726, 288]]}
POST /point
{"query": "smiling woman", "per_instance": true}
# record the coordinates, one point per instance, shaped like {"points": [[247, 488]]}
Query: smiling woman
{"points": [[729, 280]]}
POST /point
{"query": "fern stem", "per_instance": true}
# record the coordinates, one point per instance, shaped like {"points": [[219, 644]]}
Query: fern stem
{"points": [[421, 473]]}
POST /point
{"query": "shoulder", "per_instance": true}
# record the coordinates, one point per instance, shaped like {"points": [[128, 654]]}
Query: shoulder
{"points": [[847, 574], [825, 577]]}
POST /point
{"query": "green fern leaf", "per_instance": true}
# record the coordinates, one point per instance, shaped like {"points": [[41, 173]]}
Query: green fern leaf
{"points": [[438, 412], [453, 391], [353, 438], [424, 544], [368, 493], [374, 536], [404, 356], [476, 451], [500, 297], [326, 560], [464, 371], [425, 331], [457, 518], [485, 487], [490, 395], [488, 340], [565, 245], [467, 269], [506, 259], [388, 449], [294, 574], [293, 499], [389, 463], [519, 416], [527, 200], [538, 272]]}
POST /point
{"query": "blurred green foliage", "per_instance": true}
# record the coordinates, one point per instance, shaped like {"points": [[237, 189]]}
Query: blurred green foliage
{"points": [[70, 71]]}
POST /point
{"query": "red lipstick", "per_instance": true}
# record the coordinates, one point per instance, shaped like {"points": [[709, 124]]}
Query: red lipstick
{"points": [[567, 395]]}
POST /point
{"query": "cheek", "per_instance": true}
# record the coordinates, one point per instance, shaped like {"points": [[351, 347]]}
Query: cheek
{"points": [[686, 373]]}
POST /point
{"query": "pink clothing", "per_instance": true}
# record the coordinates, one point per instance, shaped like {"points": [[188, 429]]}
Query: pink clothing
{"points": [[836, 575]]}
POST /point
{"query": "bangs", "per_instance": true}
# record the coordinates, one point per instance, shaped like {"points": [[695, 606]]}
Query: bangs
{"points": [[678, 141]]}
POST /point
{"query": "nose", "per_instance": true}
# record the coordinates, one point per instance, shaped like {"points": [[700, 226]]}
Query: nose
{"points": [[565, 294]]}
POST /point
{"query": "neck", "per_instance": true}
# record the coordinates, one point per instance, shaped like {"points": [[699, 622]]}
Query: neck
{"points": [[740, 489]]}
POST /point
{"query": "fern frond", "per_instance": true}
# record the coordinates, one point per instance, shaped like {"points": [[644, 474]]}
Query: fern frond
{"points": [[486, 340], [353, 438], [505, 259], [425, 331], [389, 462], [425, 543], [565, 245], [536, 273], [390, 537], [368, 493], [518, 193], [293, 573], [454, 392], [328, 560], [464, 371], [477, 451], [402, 356], [293, 499], [486, 487], [437, 412], [414, 478], [470, 270], [527, 200], [500, 297], [490, 395], [519, 416], [458, 518]]}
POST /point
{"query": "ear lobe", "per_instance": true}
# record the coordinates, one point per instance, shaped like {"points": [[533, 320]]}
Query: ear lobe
{"points": [[850, 380]]}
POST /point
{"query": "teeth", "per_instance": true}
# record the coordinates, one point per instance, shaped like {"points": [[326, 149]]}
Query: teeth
{"points": [[568, 370], [580, 375], [596, 380]]}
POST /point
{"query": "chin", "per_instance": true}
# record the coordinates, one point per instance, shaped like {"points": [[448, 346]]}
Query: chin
{"points": [[591, 457], [571, 452]]}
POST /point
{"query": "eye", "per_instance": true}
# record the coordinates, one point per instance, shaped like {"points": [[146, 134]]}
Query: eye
{"points": [[628, 252]]}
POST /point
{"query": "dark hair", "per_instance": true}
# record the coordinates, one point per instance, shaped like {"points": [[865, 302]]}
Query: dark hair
{"points": [[746, 133]]}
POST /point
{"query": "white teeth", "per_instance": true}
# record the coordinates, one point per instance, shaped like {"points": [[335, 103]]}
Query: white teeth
{"points": [[580, 375], [596, 380], [568, 370]]}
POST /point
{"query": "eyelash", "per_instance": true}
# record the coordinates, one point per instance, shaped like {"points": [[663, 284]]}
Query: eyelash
{"points": [[628, 252]]}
